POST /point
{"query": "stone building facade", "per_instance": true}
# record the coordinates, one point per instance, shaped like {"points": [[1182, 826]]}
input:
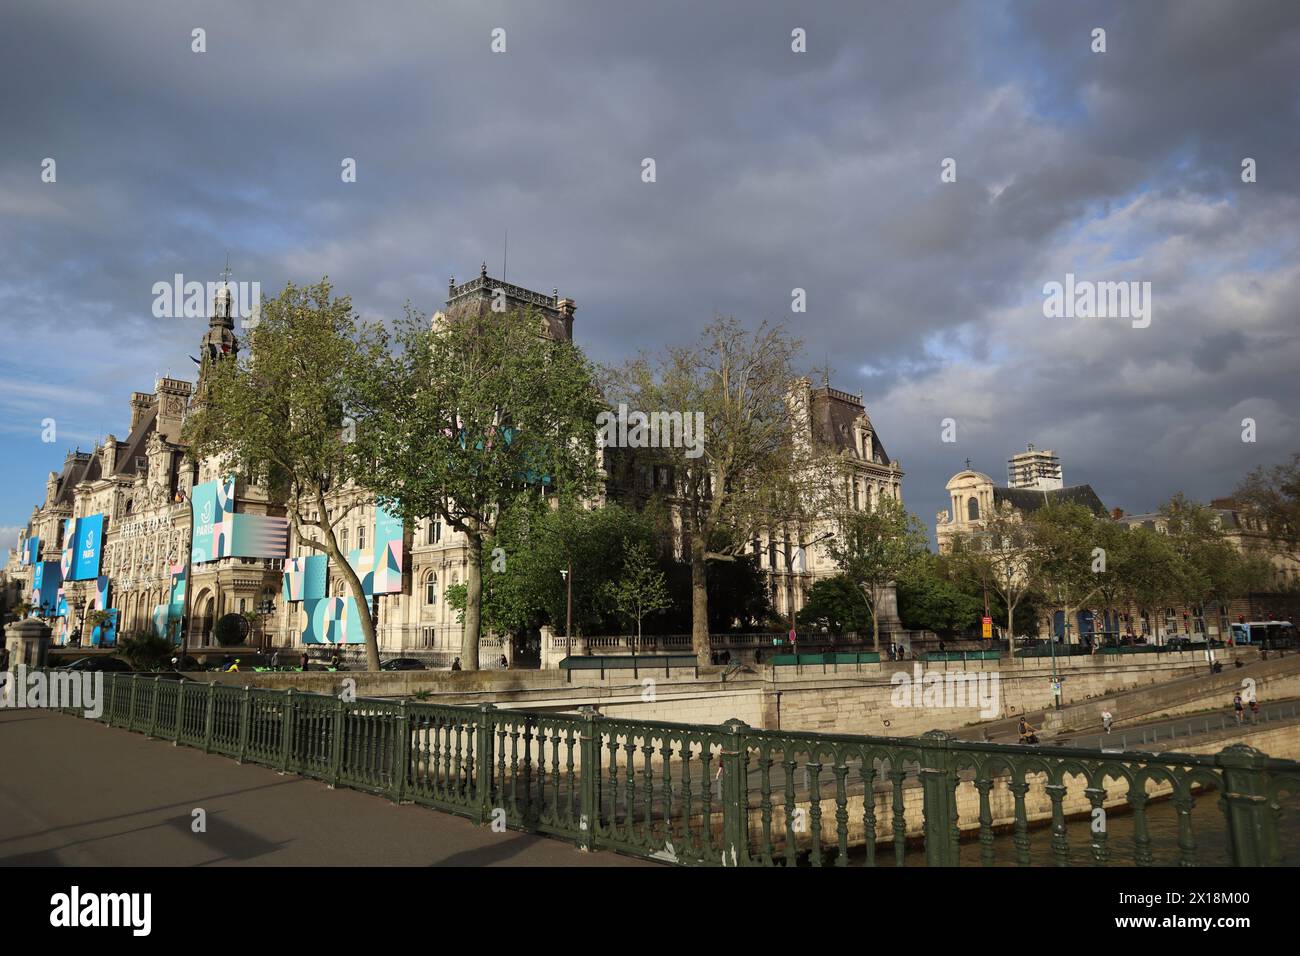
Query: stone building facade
{"points": [[849, 467], [144, 484], [1039, 478]]}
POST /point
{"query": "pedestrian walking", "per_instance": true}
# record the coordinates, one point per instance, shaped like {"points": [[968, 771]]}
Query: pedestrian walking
{"points": [[305, 660], [455, 665], [1106, 718], [1238, 710], [275, 659], [505, 664]]}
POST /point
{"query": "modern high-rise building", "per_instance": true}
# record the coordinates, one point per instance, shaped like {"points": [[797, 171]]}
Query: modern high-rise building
{"points": [[1035, 470]]}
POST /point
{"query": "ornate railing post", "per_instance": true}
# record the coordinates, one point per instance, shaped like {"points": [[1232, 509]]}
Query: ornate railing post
{"points": [[336, 743], [180, 712], [401, 751], [1251, 835], [286, 731], [589, 754], [107, 715], [482, 768], [209, 717], [153, 708], [735, 822], [245, 722], [937, 786], [130, 710]]}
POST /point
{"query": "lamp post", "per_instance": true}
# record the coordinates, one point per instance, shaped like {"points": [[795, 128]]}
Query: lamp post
{"points": [[265, 608], [567, 574], [79, 606]]}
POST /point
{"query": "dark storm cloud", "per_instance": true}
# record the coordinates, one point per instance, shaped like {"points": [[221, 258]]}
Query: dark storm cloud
{"points": [[775, 171]]}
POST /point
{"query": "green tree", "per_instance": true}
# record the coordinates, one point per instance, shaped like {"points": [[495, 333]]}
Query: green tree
{"points": [[874, 549], [477, 415], [1210, 569], [641, 589], [836, 605], [739, 382], [1148, 579], [1006, 557], [1065, 535], [1271, 497], [277, 416], [146, 651], [931, 597]]}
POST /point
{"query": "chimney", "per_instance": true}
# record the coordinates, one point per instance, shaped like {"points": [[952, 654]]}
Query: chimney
{"points": [[108, 455], [141, 402]]}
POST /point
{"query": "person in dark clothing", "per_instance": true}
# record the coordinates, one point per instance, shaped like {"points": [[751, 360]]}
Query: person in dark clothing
{"points": [[305, 660], [455, 665], [1028, 732], [505, 664]]}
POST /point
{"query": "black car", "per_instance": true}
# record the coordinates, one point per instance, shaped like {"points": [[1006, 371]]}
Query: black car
{"points": [[403, 664], [102, 663]]}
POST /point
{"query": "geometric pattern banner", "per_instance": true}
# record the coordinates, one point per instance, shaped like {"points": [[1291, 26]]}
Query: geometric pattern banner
{"points": [[221, 533], [331, 620], [334, 620]]}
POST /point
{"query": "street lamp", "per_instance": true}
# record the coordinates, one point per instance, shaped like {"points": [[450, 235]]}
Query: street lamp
{"points": [[264, 609], [567, 574], [79, 605]]}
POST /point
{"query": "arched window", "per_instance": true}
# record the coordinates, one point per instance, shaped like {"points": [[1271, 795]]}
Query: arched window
{"points": [[431, 588], [973, 509]]}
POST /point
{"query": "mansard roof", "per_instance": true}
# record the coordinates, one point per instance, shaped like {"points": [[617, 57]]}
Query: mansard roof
{"points": [[1029, 499], [135, 444], [76, 468], [833, 414]]}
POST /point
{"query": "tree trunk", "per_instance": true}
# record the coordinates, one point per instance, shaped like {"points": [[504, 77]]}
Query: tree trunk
{"points": [[875, 623], [339, 561], [1011, 629], [473, 601], [699, 602]]}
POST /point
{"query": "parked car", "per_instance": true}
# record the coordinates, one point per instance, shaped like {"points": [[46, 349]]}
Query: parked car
{"points": [[98, 663], [1179, 643], [403, 664]]}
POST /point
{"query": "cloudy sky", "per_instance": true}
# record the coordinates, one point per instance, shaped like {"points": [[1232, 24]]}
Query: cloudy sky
{"points": [[775, 170]]}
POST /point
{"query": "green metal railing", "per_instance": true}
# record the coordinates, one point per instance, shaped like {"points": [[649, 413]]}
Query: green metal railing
{"points": [[733, 795]]}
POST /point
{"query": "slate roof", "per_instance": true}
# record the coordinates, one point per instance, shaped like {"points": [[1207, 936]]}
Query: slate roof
{"points": [[832, 423], [1028, 499], [136, 443]]}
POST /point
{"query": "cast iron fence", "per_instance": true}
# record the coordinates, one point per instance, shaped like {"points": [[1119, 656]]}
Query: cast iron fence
{"points": [[733, 795]]}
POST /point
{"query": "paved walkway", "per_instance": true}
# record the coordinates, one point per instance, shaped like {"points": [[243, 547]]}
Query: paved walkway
{"points": [[76, 793]]}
